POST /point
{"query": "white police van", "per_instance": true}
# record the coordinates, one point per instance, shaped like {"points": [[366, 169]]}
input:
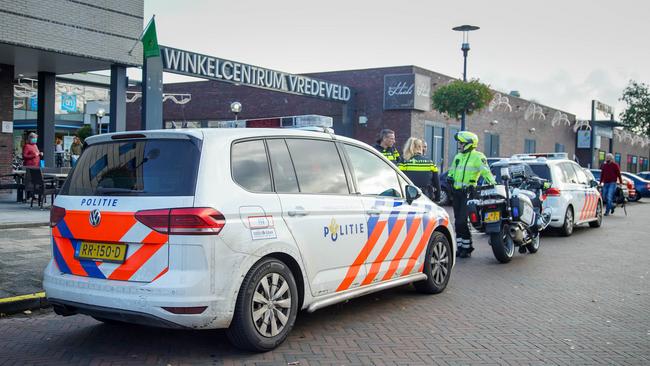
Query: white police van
{"points": [[237, 229], [573, 198]]}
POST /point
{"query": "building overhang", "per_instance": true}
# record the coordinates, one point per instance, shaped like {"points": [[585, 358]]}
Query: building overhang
{"points": [[28, 61]]}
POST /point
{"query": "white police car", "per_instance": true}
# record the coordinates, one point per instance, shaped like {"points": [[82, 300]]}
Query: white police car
{"points": [[237, 229], [573, 197]]}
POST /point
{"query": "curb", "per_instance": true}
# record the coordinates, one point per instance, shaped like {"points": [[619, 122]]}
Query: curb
{"points": [[17, 304], [20, 225]]}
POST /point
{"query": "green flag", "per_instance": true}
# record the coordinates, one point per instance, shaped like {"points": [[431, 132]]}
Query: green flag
{"points": [[150, 41]]}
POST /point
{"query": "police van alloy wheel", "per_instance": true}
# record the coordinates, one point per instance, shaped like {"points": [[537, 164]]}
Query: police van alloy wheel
{"points": [[437, 265], [567, 227], [266, 308], [599, 216], [502, 245]]}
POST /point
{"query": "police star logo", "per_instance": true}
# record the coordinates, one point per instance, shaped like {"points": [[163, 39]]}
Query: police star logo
{"points": [[332, 230], [95, 217]]}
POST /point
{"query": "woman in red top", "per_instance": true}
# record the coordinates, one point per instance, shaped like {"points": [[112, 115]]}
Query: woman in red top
{"points": [[31, 154]]}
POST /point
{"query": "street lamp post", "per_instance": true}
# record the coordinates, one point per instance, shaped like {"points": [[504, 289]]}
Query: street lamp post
{"points": [[235, 107], [465, 48], [101, 112]]}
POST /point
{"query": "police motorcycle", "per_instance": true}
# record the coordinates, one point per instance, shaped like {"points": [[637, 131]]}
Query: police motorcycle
{"points": [[511, 213]]}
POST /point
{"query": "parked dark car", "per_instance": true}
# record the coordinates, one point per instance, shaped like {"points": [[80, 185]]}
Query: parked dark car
{"points": [[644, 175], [641, 185], [445, 194]]}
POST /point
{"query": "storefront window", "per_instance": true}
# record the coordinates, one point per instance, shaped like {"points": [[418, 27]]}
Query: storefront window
{"points": [[631, 163], [530, 146], [559, 148], [491, 145], [617, 158]]}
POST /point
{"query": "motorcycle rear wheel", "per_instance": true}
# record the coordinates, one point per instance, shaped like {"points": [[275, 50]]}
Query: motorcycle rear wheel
{"points": [[502, 245]]}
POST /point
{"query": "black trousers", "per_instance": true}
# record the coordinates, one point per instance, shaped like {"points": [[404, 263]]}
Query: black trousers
{"points": [[459, 198]]}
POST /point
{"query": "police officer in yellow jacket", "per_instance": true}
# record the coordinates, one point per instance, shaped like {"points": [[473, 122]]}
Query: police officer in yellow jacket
{"points": [[420, 170], [386, 146], [466, 168]]}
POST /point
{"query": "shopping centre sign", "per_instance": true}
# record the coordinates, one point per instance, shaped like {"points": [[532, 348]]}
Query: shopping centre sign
{"points": [[214, 68]]}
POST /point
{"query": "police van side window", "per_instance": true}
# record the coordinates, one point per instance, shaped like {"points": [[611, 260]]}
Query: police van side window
{"points": [[580, 175], [374, 176], [569, 173], [318, 166], [284, 176], [250, 167]]}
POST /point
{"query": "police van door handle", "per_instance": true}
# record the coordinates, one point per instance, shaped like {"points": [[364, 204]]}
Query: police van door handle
{"points": [[373, 211], [298, 211]]}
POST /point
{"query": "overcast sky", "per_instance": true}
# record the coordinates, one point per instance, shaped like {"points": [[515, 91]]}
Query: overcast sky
{"points": [[560, 53]]}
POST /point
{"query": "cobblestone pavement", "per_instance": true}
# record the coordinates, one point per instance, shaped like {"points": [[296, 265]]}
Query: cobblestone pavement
{"points": [[23, 255], [581, 300]]}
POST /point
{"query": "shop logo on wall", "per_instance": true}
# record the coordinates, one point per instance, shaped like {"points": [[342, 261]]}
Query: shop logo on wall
{"points": [[68, 102], [407, 91]]}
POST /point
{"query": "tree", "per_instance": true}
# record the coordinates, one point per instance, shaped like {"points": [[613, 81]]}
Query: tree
{"points": [[458, 96], [636, 116], [84, 132]]}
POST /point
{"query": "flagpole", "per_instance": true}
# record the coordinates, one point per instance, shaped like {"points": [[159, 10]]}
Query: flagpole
{"points": [[142, 33]]}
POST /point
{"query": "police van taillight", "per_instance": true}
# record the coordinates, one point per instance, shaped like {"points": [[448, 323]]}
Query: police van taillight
{"points": [[183, 221], [56, 214]]}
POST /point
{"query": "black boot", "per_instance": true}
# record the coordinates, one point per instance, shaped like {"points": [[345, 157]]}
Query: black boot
{"points": [[522, 249]]}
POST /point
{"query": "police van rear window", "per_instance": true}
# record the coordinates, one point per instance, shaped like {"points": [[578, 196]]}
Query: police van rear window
{"points": [[154, 167]]}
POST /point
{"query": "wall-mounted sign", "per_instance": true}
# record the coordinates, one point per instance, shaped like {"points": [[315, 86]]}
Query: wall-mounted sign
{"points": [[584, 139], [607, 132], [214, 68], [7, 126], [33, 104], [68, 102], [600, 106], [407, 91]]}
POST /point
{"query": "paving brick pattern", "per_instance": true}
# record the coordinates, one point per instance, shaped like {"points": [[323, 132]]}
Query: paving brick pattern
{"points": [[24, 253], [579, 301]]}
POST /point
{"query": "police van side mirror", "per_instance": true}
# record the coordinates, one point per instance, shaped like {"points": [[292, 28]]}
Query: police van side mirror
{"points": [[412, 193]]}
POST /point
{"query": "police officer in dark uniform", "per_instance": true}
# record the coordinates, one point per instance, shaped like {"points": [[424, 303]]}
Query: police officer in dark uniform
{"points": [[420, 170], [386, 146]]}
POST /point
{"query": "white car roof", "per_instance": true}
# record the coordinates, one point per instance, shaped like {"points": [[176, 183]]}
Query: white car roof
{"points": [[227, 134]]}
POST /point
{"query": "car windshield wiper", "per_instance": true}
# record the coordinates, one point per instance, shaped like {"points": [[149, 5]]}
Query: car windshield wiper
{"points": [[110, 191]]}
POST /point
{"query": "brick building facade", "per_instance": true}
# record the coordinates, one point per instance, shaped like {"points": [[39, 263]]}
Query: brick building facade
{"points": [[510, 125], [44, 38]]}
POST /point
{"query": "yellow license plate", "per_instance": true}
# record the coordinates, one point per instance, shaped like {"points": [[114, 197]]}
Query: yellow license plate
{"points": [[493, 216], [104, 252]]}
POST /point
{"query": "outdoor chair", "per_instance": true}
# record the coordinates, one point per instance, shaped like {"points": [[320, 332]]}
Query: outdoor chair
{"points": [[40, 186]]}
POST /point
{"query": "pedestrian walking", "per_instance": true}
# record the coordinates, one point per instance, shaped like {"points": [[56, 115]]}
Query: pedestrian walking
{"points": [[31, 154], [75, 150], [466, 168], [610, 173], [420, 170], [386, 146], [58, 152]]}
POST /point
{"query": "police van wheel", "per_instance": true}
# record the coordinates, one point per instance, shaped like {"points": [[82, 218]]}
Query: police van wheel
{"points": [[437, 265], [266, 308], [567, 227], [599, 216]]}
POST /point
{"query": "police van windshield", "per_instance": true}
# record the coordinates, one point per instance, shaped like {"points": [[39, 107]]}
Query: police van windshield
{"points": [[155, 167]]}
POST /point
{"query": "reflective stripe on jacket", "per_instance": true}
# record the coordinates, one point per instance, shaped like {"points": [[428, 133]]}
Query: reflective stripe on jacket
{"points": [[467, 167], [422, 172], [390, 153]]}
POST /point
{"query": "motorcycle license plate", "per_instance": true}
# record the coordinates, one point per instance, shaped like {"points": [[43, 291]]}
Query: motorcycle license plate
{"points": [[103, 252], [492, 216]]}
